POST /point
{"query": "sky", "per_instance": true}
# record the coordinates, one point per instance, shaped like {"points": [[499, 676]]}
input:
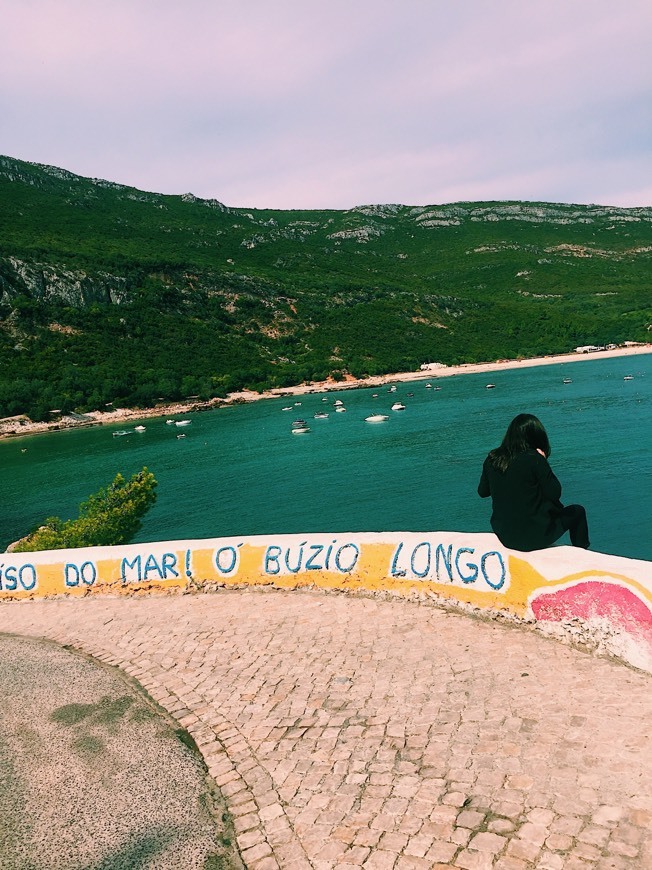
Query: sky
{"points": [[299, 104]]}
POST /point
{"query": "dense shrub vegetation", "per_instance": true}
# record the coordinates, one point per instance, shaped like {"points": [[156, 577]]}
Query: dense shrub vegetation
{"points": [[112, 295], [111, 516]]}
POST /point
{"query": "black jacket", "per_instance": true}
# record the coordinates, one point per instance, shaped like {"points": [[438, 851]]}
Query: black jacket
{"points": [[525, 500]]}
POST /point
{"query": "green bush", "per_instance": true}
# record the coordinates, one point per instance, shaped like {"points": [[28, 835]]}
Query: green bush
{"points": [[110, 516]]}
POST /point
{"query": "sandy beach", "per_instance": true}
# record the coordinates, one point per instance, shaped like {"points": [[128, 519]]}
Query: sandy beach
{"points": [[22, 425]]}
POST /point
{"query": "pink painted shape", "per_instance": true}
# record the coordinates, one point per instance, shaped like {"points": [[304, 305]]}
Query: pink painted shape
{"points": [[591, 599]]}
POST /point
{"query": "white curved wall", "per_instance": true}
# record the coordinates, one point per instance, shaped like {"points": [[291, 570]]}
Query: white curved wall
{"points": [[603, 600]]}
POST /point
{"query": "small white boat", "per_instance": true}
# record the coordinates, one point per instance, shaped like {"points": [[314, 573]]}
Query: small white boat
{"points": [[338, 402], [392, 390], [299, 427], [321, 416], [324, 400], [181, 435], [296, 404], [140, 428], [376, 418], [170, 422], [428, 386], [374, 395], [183, 422], [437, 388], [340, 408], [491, 386], [568, 380], [120, 432], [287, 408], [398, 406], [628, 378]]}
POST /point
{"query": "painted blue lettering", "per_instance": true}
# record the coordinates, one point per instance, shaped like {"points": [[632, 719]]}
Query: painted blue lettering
{"points": [[413, 559], [327, 563], [500, 583], [447, 557], [11, 579], [356, 554], [134, 565], [188, 565], [232, 557], [169, 563], [395, 571], [71, 574], [271, 563], [27, 584], [287, 559], [152, 565], [88, 573], [310, 564], [466, 578]]}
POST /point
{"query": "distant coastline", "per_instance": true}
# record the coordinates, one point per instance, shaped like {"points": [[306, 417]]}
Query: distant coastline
{"points": [[19, 426]]}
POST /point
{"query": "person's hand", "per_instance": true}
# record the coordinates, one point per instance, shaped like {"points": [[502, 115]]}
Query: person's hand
{"points": [[539, 450]]}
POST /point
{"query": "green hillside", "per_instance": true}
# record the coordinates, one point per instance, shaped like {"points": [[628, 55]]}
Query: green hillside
{"points": [[111, 294]]}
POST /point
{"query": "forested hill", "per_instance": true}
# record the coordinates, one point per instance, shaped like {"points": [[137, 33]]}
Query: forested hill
{"points": [[112, 294]]}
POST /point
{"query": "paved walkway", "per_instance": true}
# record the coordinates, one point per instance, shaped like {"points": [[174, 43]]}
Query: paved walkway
{"points": [[354, 732]]}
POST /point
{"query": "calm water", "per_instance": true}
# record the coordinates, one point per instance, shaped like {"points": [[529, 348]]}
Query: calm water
{"points": [[240, 471]]}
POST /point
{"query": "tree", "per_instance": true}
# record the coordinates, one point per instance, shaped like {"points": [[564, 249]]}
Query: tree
{"points": [[110, 516]]}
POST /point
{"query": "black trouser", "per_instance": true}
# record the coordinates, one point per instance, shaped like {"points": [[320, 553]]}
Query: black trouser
{"points": [[573, 519]]}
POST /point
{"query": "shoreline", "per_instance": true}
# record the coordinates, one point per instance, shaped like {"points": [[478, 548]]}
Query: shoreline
{"points": [[19, 426]]}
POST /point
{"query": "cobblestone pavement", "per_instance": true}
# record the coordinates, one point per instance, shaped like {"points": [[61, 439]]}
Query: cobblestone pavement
{"points": [[356, 732]]}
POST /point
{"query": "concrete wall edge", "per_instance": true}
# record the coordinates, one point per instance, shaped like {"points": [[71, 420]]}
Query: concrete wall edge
{"points": [[594, 599]]}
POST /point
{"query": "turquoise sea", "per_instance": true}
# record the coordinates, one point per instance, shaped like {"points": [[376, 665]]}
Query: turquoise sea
{"points": [[240, 471]]}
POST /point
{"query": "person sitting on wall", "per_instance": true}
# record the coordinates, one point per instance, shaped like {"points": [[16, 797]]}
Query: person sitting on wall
{"points": [[527, 513]]}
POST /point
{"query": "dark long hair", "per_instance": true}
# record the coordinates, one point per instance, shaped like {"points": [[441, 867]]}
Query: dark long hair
{"points": [[525, 432]]}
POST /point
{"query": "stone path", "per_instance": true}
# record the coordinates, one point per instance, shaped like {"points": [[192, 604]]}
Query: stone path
{"points": [[359, 733]]}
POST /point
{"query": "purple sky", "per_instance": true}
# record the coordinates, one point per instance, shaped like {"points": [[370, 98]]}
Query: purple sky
{"points": [[335, 103]]}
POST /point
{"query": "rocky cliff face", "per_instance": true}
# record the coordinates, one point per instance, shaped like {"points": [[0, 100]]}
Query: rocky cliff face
{"points": [[534, 213], [45, 283]]}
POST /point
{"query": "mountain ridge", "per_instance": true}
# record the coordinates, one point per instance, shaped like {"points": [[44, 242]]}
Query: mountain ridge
{"points": [[94, 273], [10, 167]]}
